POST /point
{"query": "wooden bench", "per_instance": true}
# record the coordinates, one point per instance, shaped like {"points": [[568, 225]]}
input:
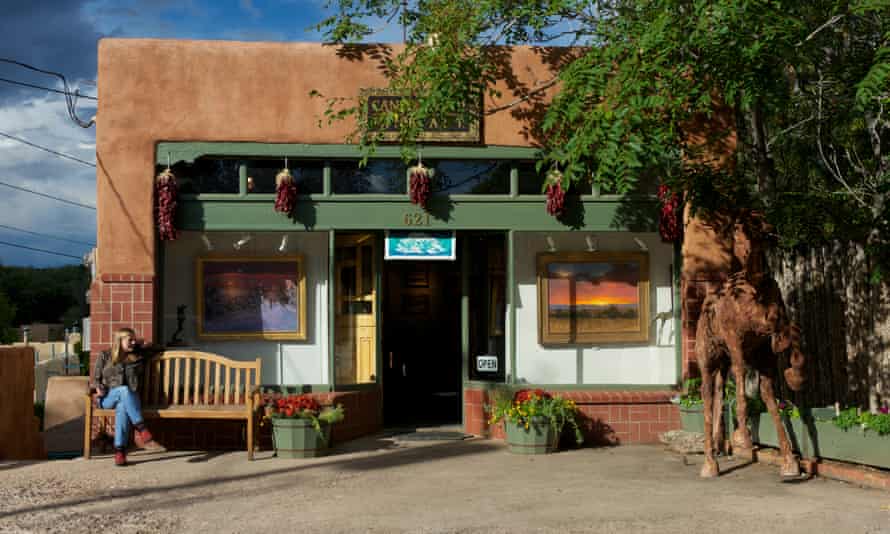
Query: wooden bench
{"points": [[185, 384]]}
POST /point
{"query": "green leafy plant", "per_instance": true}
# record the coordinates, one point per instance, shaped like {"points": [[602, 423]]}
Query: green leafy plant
{"points": [[878, 422], [847, 419], [527, 404], [691, 395]]}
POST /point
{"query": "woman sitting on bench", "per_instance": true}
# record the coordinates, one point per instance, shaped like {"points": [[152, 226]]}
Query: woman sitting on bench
{"points": [[117, 376]]}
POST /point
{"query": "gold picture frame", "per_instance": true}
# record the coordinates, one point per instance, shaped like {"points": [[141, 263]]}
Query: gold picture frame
{"points": [[593, 297], [259, 297]]}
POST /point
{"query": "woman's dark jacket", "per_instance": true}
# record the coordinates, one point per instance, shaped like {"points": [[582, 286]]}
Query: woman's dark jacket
{"points": [[126, 372]]}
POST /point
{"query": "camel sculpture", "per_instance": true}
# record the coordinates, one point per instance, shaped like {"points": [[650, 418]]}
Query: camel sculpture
{"points": [[745, 324]]}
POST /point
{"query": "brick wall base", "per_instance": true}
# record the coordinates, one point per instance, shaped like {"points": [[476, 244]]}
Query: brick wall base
{"points": [[609, 417], [120, 300]]}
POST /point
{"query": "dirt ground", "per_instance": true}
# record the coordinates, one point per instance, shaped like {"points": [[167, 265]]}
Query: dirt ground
{"points": [[386, 485]]}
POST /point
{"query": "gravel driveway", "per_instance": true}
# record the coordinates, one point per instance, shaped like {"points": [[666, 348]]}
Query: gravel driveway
{"points": [[387, 485]]}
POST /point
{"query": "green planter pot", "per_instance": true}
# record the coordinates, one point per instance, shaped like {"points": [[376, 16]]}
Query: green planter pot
{"points": [[297, 438], [539, 438], [693, 418], [855, 445], [763, 431]]}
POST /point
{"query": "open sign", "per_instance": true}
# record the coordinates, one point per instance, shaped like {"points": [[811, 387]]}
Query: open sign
{"points": [[487, 364]]}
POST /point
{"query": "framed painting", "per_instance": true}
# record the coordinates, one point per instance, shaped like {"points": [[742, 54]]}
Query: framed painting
{"points": [[593, 297], [251, 298]]}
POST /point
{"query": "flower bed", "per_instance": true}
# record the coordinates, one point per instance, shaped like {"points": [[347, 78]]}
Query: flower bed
{"points": [[819, 433]]}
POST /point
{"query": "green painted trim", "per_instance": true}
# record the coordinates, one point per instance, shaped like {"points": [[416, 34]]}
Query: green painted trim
{"points": [[326, 184], [378, 304], [332, 245], [158, 312], [678, 308], [390, 214], [295, 389], [571, 387], [511, 300], [464, 317], [242, 181], [189, 151], [368, 386], [514, 181]]}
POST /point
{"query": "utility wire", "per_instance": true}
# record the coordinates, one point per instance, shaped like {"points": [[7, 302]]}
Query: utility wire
{"points": [[51, 151], [40, 250], [70, 97], [51, 90], [47, 235], [66, 201]]}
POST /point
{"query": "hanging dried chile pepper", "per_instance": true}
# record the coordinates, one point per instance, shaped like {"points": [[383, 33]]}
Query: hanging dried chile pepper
{"points": [[556, 195], [165, 193], [669, 223], [419, 185], [286, 193]]}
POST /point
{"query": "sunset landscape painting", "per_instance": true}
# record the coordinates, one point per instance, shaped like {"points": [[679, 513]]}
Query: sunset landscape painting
{"points": [[591, 300]]}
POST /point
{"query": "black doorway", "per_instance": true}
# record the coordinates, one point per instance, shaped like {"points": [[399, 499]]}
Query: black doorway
{"points": [[422, 370]]}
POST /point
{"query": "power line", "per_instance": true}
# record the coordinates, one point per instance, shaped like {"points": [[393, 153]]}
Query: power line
{"points": [[66, 201], [40, 250], [51, 151], [51, 90], [70, 97], [47, 235]]}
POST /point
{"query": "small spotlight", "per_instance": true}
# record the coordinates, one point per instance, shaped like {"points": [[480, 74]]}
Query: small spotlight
{"points": [[640, 244], [207, 243], [283, 246], [551, 245], [241, 242], [591, 243]]}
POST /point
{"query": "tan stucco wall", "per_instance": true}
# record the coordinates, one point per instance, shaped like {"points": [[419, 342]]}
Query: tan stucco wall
{"points": [[174, 90]]}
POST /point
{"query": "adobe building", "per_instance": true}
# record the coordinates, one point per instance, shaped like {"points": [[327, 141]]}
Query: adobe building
{"points": [[405, 315]]}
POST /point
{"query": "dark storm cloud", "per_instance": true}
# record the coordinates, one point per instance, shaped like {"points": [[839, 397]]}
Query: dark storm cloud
{"points": [[49, 34]]}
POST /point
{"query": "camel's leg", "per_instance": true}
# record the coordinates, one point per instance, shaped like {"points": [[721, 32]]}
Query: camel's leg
{"points": [[790, 467], [717, 428], [710, 468], [741, 437]]}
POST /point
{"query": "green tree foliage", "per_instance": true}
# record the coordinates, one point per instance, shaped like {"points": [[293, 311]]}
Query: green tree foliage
{"points": [[804, 84], [50, 295], [7, 316]]}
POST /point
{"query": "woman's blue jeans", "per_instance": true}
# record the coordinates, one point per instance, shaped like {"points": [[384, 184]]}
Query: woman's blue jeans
{"points": [[128, 410]]}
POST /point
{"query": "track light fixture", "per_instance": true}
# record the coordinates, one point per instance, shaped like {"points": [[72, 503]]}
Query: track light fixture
{"points": [[207, 243], [243, 241], [591, 243], [283, 246], [640, 244]]}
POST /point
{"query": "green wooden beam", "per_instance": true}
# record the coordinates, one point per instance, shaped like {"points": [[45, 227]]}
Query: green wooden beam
{"points": [[332, 248], [189, 151], [511, 301], [392, 214]]}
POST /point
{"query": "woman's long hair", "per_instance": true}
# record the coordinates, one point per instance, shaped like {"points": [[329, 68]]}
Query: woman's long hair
{"points": [[119, 334]]}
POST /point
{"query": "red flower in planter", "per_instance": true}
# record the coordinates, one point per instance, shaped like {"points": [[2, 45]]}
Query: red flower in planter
{"points": [[524, 395]]}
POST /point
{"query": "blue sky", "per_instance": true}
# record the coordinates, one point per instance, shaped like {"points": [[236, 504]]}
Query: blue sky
{"points": [[61, 36]]}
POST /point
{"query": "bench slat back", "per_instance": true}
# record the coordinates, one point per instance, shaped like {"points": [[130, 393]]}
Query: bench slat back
{"points": [[193, 378]]}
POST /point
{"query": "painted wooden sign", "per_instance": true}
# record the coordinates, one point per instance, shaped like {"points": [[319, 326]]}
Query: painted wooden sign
{"points": [[402, 245]]}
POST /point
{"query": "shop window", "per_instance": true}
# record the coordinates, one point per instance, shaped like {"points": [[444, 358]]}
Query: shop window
{"points": [[206, 175], [593, 297], [355, 323], [488, 308], [381, 176], [477, 177], [531, 181], [308, 175]]}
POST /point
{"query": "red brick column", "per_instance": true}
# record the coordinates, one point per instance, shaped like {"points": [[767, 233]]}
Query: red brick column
{"points": [[119, 300]]}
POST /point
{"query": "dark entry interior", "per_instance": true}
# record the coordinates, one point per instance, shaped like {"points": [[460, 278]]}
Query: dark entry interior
{"points": [[421, 343]]}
